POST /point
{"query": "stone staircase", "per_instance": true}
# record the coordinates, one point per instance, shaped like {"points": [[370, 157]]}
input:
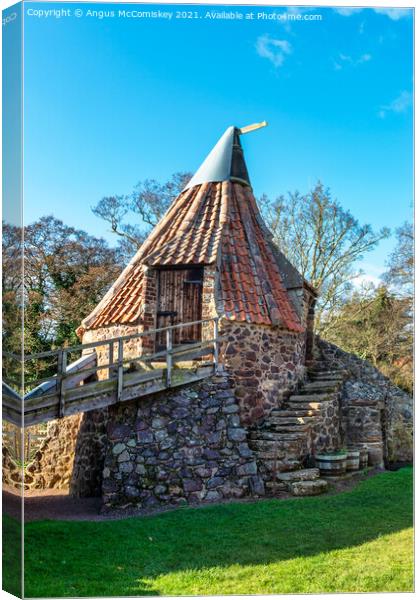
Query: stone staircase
{"points": [[287, 439]]}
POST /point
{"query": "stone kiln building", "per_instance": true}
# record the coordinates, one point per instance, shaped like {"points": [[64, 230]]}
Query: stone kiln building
{"points": [[279, 398], [212, 255]]}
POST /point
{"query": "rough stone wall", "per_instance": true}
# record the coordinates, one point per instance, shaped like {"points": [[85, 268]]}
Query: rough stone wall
{"points": [[69, 458], [131, 347], [11, 471], [52, 465], [326, 432], [89, 455], [149, 309], [309, 323], [266, 363], [209, 309], [147, 321], [178, 447], [376, 413]]}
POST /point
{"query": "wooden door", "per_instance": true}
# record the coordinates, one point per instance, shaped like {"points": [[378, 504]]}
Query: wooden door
{"points": [[179, 301]]}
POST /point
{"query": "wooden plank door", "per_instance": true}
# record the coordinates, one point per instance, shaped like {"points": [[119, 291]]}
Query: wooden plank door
{"points": [[179, 301]]}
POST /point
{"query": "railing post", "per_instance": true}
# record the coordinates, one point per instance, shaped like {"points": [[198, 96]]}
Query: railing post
{"points": [[61, 374], [216, 344], [120, 369], [110, 358], [168, 357]]}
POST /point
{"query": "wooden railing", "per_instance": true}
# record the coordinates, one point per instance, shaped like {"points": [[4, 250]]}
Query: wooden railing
{"points": [[86, 383]]}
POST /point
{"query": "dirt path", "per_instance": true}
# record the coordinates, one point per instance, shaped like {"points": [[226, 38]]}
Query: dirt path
{"points": [[58, 505], [51, 504]]}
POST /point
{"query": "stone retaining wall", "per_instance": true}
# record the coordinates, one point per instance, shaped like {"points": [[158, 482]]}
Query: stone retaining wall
{"points": [[179, 447], [376, 413], [326, 432]]}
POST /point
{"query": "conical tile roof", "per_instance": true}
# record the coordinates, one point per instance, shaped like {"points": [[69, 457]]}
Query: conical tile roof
{"points": [[214, 221]]}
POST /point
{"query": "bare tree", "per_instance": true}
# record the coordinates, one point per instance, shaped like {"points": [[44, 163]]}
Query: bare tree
{"points": [[376, 324], [400, 274], [149, 201], [322, 240]]}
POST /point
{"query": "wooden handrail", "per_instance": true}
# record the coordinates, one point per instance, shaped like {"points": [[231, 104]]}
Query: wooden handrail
{"points": [[177, 350], [124, 338], [61, 395]]}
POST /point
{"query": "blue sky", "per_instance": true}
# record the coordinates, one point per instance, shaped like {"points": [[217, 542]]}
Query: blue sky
{"points": [[110, 101]]}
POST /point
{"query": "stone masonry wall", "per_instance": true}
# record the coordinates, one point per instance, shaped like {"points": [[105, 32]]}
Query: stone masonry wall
{"points": [[376, 413], [326, 432], [310, 303], [178, 447], [11, 471], [69, 458], [52, 466], [147, 321], [89, 455], [131, 348], [266, 363]]}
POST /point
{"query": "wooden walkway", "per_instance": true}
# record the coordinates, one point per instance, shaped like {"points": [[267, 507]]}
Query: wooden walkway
{"points": [[75, 387]]}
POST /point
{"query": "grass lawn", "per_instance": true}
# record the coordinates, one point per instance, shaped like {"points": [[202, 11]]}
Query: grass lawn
{"points": [[357, 541]]}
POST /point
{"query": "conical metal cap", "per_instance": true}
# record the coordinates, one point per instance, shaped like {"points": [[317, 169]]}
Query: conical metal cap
{"points": [[226, 161]]}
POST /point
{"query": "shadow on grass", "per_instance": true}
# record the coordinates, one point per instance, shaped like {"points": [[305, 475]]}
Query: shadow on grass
{"points": [[12, 556], [121, 557]]}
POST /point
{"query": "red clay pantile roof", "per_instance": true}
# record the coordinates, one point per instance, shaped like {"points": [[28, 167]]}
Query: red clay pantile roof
{"points": [[212, 223], [200, 221]]}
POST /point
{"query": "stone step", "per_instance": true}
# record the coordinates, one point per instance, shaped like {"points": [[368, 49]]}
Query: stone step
{"points": [[282, 466], [288, 420], [309, 488], [326, 369], [299, 475], [305, 412], [283, 412], [315, 400], [268, 442], [290, 428], [274, 439], [318, 363], [272, 455], [310, 397], [306, 403], [273, 487], [319, 386], [326, 377], [313, 409]]}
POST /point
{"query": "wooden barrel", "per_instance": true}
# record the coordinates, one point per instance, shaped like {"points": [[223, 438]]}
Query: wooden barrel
{"points": [[331, 464], [364, 456], [375, 453], [353, 459]]}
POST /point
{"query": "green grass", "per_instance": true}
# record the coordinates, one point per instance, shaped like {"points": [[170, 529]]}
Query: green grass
{"points": [[12, 556], [355, 541]]}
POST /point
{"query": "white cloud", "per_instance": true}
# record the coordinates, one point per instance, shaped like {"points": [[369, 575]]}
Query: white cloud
{"points": [[370, 274], [399, 105], [345, 59], [272, 49], [364, 58], [365, 279], [347, 11], [393, 13]]}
